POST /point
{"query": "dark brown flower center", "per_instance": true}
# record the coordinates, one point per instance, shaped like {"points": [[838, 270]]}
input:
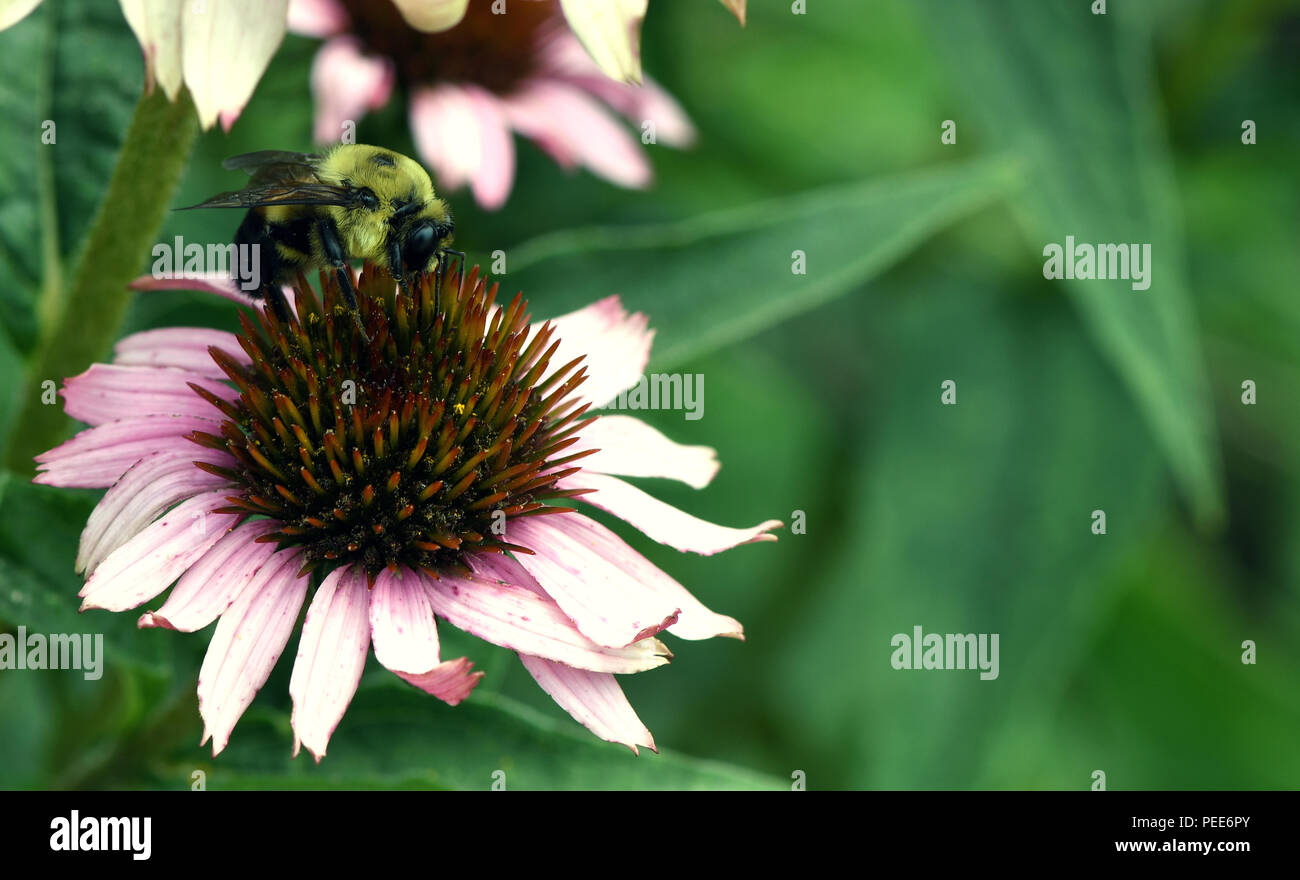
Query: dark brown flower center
{"points": [[412, 449], [496, 51]]}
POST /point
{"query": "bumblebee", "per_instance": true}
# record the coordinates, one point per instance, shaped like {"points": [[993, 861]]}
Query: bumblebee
{"points": [[353, 201]]}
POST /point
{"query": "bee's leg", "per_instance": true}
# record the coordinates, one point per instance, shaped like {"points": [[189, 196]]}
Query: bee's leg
{"points": [[257, 265], [460, 272], [333, 251], [395, 267], [441, 272]]}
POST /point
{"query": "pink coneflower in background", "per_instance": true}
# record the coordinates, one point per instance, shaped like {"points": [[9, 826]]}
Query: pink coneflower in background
{"points": [[424, 474], [472, 86], [609, 29]]}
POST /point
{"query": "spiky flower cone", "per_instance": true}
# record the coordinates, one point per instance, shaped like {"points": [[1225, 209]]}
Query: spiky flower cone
{"points": [[411, 449]]}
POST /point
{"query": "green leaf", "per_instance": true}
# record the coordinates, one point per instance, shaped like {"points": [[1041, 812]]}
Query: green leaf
{"points": [[1164, 684], [394, 736], [27, 729], [874, 108], [721, 277], [40, 527], [966, 518], [51, 64], [1082, 113]]}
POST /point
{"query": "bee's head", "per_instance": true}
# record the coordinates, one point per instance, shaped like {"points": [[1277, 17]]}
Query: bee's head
{"points": [[416, 239]]}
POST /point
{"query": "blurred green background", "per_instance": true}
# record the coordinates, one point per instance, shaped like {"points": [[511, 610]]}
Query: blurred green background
{"points": [[1119, 652]]}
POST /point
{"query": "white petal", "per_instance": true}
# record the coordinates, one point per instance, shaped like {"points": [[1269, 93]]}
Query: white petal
{"points": [[248, 642], [432, 16], [157, 25], [661, 521], [402, 624], [594, 699], [226, 46], [737, 8], [611, 32], [512, 615], [631, 448], [331, 656], [603, 587], [14, 11], [615, 345], [609, 590]]}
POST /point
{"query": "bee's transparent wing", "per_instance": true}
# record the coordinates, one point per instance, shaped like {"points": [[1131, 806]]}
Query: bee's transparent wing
{"points": [[291, 193], [251, 162]]}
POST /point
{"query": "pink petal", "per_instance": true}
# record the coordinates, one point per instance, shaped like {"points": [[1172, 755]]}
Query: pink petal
{"points": [[432, 16], [515, 617], [496, 169], [208, 282], [598, 585], [148, 564], [317, 18], [212, 584], [594, 699], [249, 639], [402, 623], [331, 656], [184, 348], [663, 522], [405, 637], [450, 681], [461, 132], [641, 104], [439, 117], [98, 457], [152, 485], [225, 48], [567, 60], [616, 346], [346, 84], [503, 569], [576, 129], [108, 392], [631, 448], [580, 562]]}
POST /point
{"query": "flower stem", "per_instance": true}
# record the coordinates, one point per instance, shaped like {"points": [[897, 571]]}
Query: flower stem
{"points": [[83, 320]]}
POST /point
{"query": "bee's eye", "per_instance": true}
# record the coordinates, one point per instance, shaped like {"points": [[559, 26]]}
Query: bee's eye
{"points": [[419, 247]]}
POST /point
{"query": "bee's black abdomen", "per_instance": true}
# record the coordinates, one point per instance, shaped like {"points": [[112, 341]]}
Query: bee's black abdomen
{"points": [[254, 275], [261, 276]]}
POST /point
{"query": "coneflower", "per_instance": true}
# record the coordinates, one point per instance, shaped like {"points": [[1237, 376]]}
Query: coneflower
{"points": [[427, 472], [490, 75]]}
